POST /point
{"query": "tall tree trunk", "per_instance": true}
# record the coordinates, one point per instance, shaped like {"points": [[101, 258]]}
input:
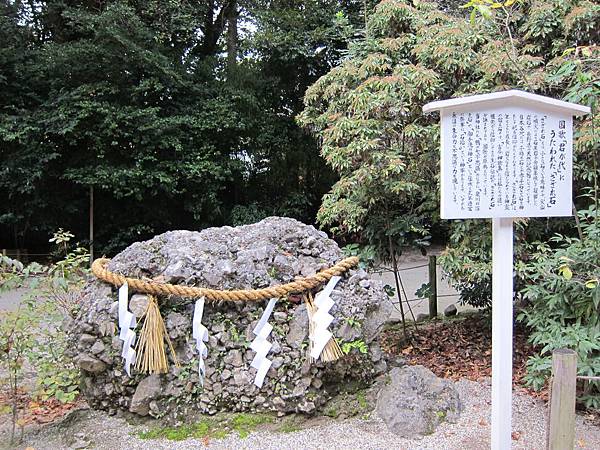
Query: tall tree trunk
{"points": [[232, 35], [214, 27]]}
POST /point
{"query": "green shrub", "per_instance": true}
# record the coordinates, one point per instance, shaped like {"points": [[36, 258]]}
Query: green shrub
{"points": [[564, 296], [33, 334]]}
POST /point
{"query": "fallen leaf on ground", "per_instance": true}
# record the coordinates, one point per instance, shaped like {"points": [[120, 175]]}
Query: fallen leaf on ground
{"points": [[460, 349]]}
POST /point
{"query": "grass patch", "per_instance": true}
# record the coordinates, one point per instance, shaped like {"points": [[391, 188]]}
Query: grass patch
{"points": [[244, 424], [332, 412], [361, 398], [348, 404], [290, 424], [213, 428]]}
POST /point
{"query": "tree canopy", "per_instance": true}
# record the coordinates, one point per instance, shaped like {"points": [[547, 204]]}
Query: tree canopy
{"points": [[368, 110], [177, 114]]}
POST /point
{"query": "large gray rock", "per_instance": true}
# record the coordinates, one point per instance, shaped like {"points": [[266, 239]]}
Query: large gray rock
{"points": [[271, 252], [413, 401]]}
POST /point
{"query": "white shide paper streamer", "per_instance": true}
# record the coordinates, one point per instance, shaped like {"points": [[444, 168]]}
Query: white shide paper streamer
{"points": [[200, 333], [261, 346], [126, 324], [322, 319]]}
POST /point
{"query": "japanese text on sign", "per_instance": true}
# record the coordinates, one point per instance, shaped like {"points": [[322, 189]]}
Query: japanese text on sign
{"points": [[506, 162]]}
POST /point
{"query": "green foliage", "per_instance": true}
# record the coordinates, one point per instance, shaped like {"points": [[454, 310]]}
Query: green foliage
{"points": [[357, 344], [468, 261], [33, 334], [367, 254], [544, 31], [353, 322], [564, 298], [368, 114], [143, 102], [368, 110]]}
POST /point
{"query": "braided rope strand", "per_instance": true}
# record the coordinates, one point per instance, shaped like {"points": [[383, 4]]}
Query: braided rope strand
{"points": [[100, 270]]}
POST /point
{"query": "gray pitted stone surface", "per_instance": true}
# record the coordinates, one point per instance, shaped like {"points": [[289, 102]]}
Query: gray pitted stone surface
{"points": [[271, 252], [413, 401], [145, 392]]}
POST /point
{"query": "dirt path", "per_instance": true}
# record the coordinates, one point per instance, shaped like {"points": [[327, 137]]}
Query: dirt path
{"points": [[100, 431], [10, 300], [414, 272]]}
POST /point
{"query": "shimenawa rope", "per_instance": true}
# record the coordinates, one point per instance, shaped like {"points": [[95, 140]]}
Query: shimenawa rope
{"points": [[99, 269], [151, 354]]}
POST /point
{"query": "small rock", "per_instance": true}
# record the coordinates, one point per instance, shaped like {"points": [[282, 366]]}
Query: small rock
{"points": [[97, 348], [234, 357], [177, 324], [138, 304], [277, 362], [421, 317], [90, 364], [278, 402], [380, 367], [375, 353], [450, 310], [79, 444], [107, 328], [298, 328], [347, 332], [299, 390], [86, 339], [306, 407], [218, 328], [280, 316], [148, 389], [241, 377], [175, 272], [276, 349]]}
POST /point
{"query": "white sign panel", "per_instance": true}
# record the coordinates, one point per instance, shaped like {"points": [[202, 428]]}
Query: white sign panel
{"points": [[506, 161], [504, 155]]}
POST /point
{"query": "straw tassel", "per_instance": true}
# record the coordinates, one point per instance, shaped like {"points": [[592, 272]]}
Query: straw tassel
{"points": [[150, 349], [332, 350]]}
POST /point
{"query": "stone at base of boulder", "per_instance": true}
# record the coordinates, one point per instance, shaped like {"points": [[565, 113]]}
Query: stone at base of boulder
{"points": [[148, 389], [90, 363], [413, 401]]}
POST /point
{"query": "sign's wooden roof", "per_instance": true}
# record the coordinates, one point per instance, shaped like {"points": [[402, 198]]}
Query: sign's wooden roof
{"points": [[508, 98]]}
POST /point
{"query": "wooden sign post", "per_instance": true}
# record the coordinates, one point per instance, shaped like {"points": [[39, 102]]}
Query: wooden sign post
{"points": [[505, 155]]}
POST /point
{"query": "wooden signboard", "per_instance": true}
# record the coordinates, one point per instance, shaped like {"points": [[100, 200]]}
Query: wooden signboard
{"points": [[505, 155]]}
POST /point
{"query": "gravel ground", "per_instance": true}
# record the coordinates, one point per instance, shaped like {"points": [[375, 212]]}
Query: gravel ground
{"points": [[470, 433]]}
